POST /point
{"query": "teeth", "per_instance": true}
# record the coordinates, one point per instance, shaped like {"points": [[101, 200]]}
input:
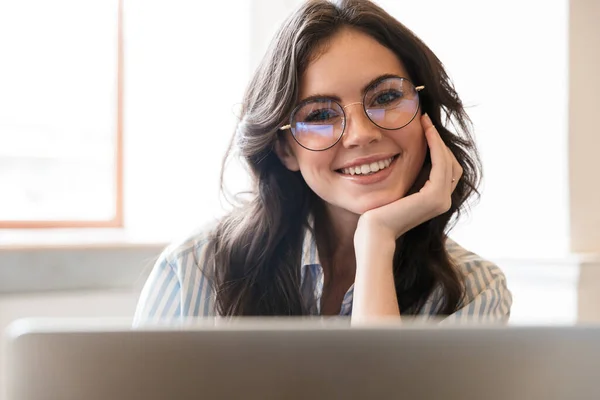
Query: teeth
{"points": [[368, 168]]}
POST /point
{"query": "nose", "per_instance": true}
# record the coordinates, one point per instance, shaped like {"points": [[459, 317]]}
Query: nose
{"points": [[359, 130]]}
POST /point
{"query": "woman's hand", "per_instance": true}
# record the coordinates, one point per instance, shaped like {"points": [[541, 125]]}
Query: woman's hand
{"points": [[387, 223], [375, 236]]}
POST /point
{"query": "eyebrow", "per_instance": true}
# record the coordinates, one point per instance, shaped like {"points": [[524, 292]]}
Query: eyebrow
{"points": [[368, 86]]}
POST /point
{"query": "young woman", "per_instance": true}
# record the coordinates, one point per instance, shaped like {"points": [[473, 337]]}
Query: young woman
{"points": [[356, 175]]}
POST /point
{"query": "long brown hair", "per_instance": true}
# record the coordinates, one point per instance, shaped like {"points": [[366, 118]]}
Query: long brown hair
{"points": [[255, 251]]}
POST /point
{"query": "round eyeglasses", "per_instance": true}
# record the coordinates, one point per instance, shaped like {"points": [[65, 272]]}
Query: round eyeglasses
{"points": [[318, 123]]}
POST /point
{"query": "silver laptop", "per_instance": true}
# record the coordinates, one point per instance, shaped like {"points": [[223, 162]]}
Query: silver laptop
{"points": [[298, 359]]}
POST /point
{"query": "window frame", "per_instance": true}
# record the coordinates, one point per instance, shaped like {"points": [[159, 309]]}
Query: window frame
{"points": [[118, 218]]}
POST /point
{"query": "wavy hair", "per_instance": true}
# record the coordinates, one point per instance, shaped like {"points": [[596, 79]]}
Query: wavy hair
{"points": [[255, 251]]}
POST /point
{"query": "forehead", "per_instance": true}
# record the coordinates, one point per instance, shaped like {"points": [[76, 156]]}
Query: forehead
{"points": [[349, 61]]}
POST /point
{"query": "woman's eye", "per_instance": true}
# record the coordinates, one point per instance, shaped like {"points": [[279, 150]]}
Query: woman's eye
{"points": [[320, 115], [385, 98]]}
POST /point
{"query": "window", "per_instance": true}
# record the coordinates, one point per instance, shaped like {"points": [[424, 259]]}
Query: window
{"points": [[60, 114]]}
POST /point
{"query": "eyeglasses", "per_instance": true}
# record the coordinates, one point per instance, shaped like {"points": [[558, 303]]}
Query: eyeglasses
{"points": [[318, 124]]}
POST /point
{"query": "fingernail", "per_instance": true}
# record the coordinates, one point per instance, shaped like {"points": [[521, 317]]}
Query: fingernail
{"points": [[427, 118]]}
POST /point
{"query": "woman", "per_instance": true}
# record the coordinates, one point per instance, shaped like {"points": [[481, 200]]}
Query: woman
{"points": [[355, 177]]}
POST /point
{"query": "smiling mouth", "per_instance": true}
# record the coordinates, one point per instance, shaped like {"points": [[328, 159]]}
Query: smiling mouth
{"points": [[368, 169]]}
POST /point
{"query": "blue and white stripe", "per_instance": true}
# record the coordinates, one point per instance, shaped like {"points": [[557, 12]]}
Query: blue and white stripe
{"points": [[178, 289]]}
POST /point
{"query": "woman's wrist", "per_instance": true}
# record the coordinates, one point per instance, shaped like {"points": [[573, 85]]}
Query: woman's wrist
{"points": [[371, 239], [373, 249]]}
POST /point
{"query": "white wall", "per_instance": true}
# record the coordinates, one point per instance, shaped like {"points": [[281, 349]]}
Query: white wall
{"points": [[186, 66], [509, 63]]}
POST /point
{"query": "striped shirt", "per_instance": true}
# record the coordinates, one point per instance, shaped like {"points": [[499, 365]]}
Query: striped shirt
{"points": [[178, 289]]}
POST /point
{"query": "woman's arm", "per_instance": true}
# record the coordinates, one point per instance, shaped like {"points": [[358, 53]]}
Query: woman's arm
{"points": [[377, 231], [160, 299], [177, 288], [374, 289], [487, 297]]}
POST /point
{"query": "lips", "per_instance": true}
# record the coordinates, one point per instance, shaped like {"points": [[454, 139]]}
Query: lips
{"points": [[370, 178], [367, 166]]}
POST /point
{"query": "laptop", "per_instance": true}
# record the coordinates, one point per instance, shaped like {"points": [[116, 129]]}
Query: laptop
{"points": [[298, 359]]}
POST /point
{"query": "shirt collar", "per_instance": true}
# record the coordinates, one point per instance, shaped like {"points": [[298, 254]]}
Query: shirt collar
{"points": [[310, 254]]}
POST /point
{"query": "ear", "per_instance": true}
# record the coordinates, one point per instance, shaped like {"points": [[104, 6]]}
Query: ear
{"points": [[286, 154]]}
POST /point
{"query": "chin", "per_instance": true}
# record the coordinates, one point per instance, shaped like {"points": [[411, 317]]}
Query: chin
{"points": [[373, 203]]}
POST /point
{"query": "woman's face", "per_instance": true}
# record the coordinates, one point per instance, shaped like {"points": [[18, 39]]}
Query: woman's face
{"points": [[351, 61]]}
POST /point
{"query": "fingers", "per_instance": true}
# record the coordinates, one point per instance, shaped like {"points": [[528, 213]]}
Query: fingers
{"points": [[446, 171], [457, 170], [437, 149]]}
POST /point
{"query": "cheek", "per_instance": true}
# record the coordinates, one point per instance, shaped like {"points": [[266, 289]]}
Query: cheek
{"points": [[421, 148], [413, 144], [412, 141], [418, 157], [315, 168], [311, 162]]}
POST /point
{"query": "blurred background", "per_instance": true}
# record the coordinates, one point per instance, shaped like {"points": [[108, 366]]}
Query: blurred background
{"points": [[114, 117]]}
